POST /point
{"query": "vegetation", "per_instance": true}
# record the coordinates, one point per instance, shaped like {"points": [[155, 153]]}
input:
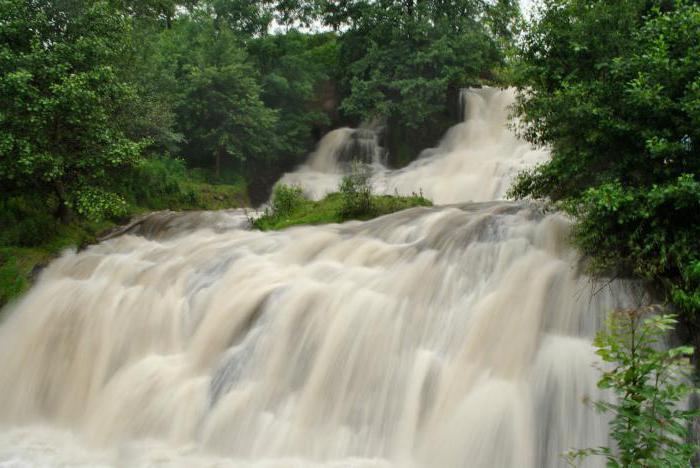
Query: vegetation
{"points": [[356, 192], [650, 385], [614, 89], [289, 207], [61, 100]]}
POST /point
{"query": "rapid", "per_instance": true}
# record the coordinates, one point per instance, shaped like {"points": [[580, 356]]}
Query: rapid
{"points": [[452, 336]]}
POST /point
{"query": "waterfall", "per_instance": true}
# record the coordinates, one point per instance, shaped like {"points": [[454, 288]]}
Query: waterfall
{"points": [[476, 160], [450, 336]]}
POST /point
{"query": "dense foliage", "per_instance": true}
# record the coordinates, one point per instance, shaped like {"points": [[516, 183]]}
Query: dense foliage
{"points": [[220, 110], [649, 422], [90, 88], [614, 89], [61, 103]]}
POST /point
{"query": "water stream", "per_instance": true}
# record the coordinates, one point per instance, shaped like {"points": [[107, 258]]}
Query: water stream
{"points": [[452, 336]]}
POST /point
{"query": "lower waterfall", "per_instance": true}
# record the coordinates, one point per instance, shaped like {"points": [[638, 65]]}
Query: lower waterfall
{"points": [[452, 336]]}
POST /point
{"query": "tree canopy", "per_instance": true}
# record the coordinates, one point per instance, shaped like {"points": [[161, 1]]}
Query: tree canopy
{"points": [[402, 57], [614, 89], [63, 101]]}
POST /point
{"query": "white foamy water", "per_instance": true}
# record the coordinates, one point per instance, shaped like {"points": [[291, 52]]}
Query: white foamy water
{"points": [[434, 337], [476, 161]]}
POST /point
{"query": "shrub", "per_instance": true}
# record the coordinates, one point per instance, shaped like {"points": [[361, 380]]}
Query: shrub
{"points": [[156, 183], [649, 423], [356, 192], [286, 199], [612, 88]]}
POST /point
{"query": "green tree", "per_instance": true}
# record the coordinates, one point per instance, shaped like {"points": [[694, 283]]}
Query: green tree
{"points": [[649, 387], [402, 57], [613, 88], [61, 103], [255, 18], [295, 68], [220, 110]]}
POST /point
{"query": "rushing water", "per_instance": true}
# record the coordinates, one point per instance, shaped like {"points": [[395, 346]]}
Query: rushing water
{"points": [[452, 336]]}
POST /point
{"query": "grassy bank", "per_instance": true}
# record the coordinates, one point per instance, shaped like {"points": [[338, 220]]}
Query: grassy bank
{"points": [[19, 264], [31, 235], [290, 208]]}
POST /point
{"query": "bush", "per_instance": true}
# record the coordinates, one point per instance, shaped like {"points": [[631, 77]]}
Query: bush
{"points": [[356, 191], [612, 88], [286, 199], [656, 234], [649, 423], [156, 183]]}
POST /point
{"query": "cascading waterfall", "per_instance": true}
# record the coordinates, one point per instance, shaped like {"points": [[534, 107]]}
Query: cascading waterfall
{"points": [[476, 161], [333, 157], [449, 336]]}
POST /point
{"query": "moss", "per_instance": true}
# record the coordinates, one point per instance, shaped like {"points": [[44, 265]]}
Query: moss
{"points": [[329, 210]]}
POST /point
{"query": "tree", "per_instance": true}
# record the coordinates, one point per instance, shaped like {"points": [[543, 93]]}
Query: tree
{"points": [[613, 88], [255, 18], [61, 102], [220, 110], [294, 69]]}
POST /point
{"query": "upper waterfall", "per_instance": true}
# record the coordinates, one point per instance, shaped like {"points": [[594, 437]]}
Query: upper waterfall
{"points": [[476, 160]]}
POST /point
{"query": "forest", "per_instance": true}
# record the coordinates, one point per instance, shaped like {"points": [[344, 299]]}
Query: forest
{"points": [[114, 108]]}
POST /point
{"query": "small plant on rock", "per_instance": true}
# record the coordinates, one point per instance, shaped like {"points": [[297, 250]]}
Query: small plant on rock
{"points": [[356, 191]]}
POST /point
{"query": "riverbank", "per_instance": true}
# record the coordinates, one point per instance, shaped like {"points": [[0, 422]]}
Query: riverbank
{"points": [[29, 239]]}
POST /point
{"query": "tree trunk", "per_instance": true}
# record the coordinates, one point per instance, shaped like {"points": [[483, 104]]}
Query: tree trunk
{"points": [[218, 162], [63, 212]]}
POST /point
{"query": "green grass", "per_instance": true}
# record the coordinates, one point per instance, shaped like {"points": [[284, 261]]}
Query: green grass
{"points": [[215, 196], [329, 210], [20, 264]]}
